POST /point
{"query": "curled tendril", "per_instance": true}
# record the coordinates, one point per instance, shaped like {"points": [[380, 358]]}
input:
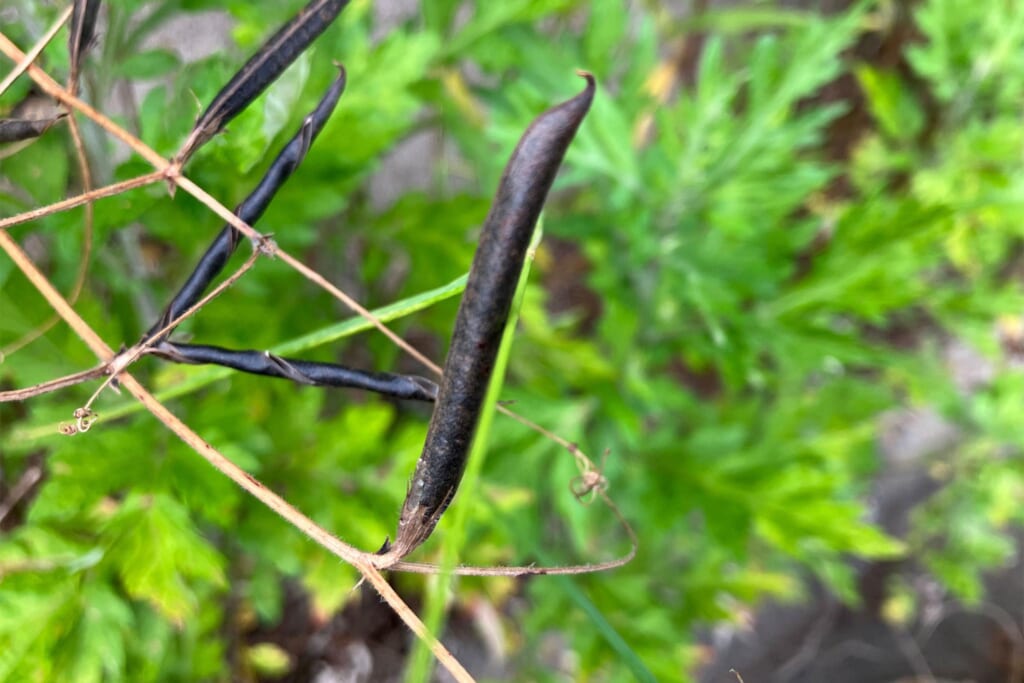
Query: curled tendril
{"points": [[84, 417], [591, 481]]}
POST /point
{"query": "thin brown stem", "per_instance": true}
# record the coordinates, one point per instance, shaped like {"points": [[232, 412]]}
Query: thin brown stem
{"points": [[53, 385], [307, 272], [83, 262], [55, 90], [531, 570], [126, 358], [26, 60], [585, 463], [87, 232], [84, 198], [414, 623]]}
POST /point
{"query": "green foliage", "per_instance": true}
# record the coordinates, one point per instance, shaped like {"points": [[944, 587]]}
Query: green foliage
{"points": [[751, 285]]}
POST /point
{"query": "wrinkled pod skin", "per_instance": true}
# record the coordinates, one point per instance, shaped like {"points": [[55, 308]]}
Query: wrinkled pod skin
{"points": [[312, 373], [262, 69], [483, 314]]}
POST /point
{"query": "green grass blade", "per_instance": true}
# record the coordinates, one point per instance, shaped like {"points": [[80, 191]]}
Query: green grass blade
{"points": [[617, 643]]}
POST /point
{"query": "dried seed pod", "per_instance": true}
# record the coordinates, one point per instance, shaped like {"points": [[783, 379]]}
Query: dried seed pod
{"points": [[83, 30], [262, 69], [409, 387], [483, 315], [13, 130], [252, 207]]}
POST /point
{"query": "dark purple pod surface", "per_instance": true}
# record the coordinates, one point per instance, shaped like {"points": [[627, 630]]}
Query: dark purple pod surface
{"points": [[314, 373], [483, 314], [252, 207], [14, 130], [83, 30], [262, 69]]}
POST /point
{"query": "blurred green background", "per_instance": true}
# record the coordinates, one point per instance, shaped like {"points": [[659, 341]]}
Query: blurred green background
{"points": [[781, 275]]}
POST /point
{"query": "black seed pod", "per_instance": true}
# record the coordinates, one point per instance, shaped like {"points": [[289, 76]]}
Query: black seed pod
{"points": [[252, 207], [83, 30], [483, 315], [409, 387], [13, 130], [262, 69]]}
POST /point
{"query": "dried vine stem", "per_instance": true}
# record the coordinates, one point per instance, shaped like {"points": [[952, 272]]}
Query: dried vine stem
{"points": [[53, 385], [25, 61], [530, 570], [364, 562], [55, 90], [84, 198], [83, 262]]}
